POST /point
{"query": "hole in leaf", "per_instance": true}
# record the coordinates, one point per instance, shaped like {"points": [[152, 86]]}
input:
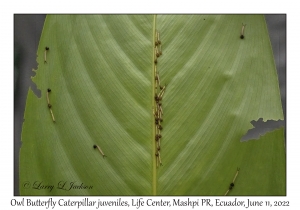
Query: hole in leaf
{"points": [[261, 128]]}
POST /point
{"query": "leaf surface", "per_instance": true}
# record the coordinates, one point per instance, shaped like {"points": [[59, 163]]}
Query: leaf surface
{"points": [[100, 69]]}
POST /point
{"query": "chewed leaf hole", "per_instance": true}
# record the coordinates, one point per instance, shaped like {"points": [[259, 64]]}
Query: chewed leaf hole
{"points": [[261, 128]]}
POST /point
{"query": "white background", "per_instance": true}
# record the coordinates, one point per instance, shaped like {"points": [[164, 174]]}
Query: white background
{"points": [[221, 7]]}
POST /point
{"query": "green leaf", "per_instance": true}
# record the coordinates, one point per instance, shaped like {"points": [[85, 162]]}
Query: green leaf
{"points": [[101, 72]]}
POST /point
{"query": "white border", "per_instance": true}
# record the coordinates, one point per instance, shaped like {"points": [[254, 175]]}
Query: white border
{"points": [[54, 6]]}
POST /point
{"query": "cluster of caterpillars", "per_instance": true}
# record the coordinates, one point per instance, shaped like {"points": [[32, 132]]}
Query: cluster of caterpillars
{"points": [[158, 51], [158, 110], [232, 183]]}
